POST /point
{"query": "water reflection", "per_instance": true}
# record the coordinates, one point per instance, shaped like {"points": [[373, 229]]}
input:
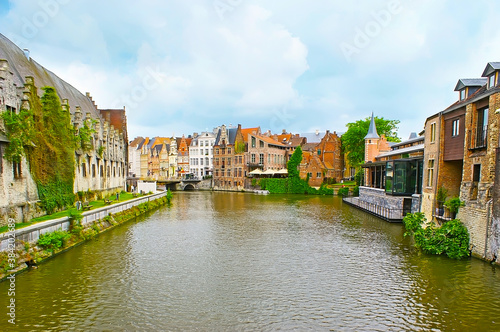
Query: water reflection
{"points": [[235, 261]]}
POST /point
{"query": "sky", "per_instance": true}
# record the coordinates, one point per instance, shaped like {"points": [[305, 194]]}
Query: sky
{"points": [[181, 66]]}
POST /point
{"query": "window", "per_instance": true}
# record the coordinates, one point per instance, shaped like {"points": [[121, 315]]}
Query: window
{"points": [[319, 152], [476, 177], [17, 170], [318, 175], [261, 158], [455, 128], [433, 132], [216, 151], [462, 94], [309, 175], [201, 161], [481, 128], [84, 170], [492, 81], [101, 169], [253, 158], [253, 142], [261, 144], [228, 150], [430, 172], [93, 170]]}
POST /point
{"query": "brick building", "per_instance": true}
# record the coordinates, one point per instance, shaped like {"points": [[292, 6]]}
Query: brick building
{"points": [[444, 151], [324, 161], [229, 159]]}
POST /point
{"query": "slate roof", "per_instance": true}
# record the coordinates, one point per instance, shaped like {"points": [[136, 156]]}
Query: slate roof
{"points": [[372, 130], [490, 68], [314, 137], [21, 67], [466, 82]]}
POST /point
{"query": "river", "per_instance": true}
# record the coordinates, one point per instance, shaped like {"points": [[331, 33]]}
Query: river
{"points": [[245, 262]]}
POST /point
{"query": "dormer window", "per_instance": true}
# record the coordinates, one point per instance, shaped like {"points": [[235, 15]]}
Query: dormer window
{"points": [[462, 94], [491, 81]]}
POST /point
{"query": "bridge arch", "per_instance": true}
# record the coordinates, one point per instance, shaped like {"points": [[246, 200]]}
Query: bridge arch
{"points": [[188, 187]]}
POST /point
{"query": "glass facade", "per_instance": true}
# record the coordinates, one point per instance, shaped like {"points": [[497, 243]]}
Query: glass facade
{"points": [[404, 177]]}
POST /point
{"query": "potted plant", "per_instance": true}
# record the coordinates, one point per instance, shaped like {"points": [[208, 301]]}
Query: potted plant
{"points": [[453, 204], [441, 198]]}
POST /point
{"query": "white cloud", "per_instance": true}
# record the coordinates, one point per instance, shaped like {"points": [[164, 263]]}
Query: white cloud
{"points": [[184, 65]]}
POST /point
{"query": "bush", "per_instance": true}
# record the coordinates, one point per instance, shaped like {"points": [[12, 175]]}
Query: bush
{"points": [[451, 239], [355, 191], [344, 192], [169, 196], [53, 241]]}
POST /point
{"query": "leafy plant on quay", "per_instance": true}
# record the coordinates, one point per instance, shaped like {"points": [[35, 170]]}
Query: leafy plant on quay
{"points": [[54, 241], [451, 239]]}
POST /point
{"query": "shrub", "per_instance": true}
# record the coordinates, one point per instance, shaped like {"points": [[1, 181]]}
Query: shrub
{"points": [[54, 240], [343, 192], [355, 191], [451, 239]]}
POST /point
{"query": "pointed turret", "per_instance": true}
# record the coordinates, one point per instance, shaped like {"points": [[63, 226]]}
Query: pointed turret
{"points": [[372, 130]]}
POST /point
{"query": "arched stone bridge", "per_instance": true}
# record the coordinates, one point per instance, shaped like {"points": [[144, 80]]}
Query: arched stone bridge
{"points": [[194, 184]]}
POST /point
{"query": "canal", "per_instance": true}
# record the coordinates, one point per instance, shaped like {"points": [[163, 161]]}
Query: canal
{"points": [[245, 262]]}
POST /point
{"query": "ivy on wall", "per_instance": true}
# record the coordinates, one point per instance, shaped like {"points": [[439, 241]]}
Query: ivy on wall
{"points": [[45, 136], [293, 184]]}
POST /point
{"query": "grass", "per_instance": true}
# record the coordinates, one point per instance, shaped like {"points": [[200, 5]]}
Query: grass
{"points": [[346, 183], [65, 213]]}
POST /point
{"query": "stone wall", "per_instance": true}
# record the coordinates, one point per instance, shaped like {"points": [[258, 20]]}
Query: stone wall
{"points": [[32, 233], [476, 221]]}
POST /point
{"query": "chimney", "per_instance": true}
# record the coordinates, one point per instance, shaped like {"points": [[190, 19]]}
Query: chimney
{"points": [[26, 53], [317, 132]]}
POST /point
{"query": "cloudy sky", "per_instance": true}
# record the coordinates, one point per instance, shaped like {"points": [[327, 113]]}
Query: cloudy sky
{"points": [[184, 66]]}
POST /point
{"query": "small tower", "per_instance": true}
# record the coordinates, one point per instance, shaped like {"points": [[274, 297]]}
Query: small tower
{"points": [[371, 142]]}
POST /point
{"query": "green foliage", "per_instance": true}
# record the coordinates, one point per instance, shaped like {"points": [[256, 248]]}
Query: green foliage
{"points": [[53, 241], [20, 132], [275, 186], [53, 161], [75, 216], [344, 192], [355, 191], [239, 148], [100, 151], [169, 196], [453, 204], [254, 182], [324, 190], [353, 141], [451, 239], [358, 177], [442, 193], [85, 135]]}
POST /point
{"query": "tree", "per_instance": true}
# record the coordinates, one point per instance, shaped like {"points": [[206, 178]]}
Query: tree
{"points": [[353, 141]]}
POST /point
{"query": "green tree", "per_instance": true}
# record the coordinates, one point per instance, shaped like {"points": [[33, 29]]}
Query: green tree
{"points": [[353, 141]]}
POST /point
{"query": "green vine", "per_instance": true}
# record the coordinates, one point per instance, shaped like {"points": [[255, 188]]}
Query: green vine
{"points": [[85, 134], [20, 132], [44, 135]]}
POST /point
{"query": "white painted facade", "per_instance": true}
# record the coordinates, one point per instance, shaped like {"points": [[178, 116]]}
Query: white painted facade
{"points": [[201, 154]]}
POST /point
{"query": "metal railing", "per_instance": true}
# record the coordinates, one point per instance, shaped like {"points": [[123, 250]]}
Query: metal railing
{"points": [[478, 138], [389, 214]]}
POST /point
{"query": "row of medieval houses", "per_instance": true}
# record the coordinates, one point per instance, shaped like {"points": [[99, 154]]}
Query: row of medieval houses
{"points": [[456, 155], [233, 156]]}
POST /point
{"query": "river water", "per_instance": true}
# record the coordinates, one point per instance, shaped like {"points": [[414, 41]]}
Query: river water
{"points": [[245, 262]]}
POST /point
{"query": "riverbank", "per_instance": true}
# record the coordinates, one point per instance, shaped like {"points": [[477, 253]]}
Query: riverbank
{"points": [[68, 232]]}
